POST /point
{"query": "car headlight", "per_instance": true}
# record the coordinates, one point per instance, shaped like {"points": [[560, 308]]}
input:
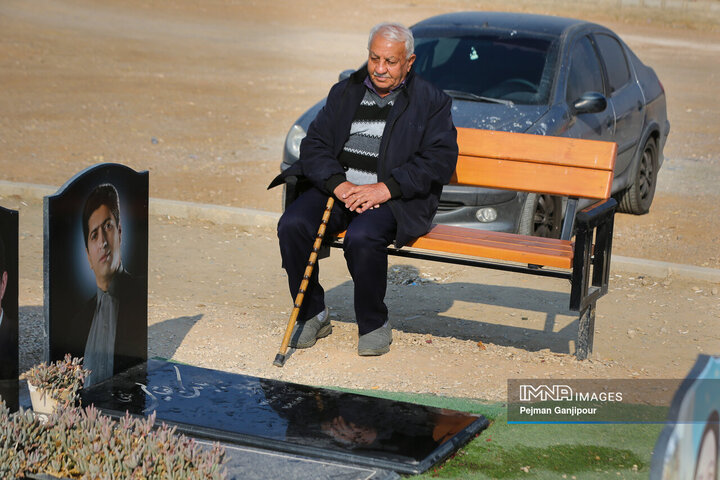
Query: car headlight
{"points": [[293, 139], [486, 215]]}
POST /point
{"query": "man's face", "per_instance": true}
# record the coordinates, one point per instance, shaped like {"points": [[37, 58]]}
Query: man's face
{"points": [[103, 249], [387, 63]]}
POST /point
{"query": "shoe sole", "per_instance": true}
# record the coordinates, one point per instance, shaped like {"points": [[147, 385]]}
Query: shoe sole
{"points": [[374, 352], [324, 331]]}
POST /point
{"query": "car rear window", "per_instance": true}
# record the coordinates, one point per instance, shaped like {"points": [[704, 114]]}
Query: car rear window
{"points": [[507, 66]]}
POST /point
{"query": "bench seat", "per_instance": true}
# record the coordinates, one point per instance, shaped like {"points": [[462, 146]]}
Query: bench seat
{"points": [[510, 247], [549, 252]]}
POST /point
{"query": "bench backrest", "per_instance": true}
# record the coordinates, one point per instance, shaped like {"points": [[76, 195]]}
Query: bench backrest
{"points": [[534, 163]]}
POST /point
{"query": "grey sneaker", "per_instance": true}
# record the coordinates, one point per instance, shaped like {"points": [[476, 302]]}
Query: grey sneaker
{"points": [[305, 334], [376, 342]]}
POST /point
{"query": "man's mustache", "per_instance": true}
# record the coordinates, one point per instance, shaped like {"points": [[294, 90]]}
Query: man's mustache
{"points": [[384, 75]]}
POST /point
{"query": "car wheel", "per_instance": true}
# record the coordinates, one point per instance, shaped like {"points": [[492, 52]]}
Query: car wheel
{"points": [[541, 216], [639, 196]]}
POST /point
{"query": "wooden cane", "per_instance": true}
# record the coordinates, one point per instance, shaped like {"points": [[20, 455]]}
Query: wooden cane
{"points": [[280, 357]]}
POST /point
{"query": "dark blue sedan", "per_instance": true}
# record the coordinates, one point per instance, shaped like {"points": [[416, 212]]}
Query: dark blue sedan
{"points": [[543, 75]]}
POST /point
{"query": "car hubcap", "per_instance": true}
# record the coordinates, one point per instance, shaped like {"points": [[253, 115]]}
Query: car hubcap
{"points": [[544, 219], [646, 174]]}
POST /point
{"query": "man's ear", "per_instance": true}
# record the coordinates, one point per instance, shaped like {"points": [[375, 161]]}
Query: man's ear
{"points": [[3, 284], [411, 60]]}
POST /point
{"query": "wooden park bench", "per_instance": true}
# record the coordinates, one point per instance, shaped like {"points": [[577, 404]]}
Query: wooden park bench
{"points": [[572, 168]]}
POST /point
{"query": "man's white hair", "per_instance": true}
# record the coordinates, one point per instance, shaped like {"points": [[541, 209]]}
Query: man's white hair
{"points": [[395, 32]]}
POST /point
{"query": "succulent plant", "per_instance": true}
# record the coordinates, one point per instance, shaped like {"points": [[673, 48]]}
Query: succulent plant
{"points": [[81, 443], [61, 379]]}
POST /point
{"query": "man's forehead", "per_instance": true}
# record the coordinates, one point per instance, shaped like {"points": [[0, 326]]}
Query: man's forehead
{"points": [[388, 56], [101, 215], [387, 46]]}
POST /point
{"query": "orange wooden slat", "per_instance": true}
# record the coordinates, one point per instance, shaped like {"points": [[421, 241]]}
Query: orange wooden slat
{"points": [[533, 177], [496, 246], [593, 154], [560, 255], [494, 252], [549, 245]]}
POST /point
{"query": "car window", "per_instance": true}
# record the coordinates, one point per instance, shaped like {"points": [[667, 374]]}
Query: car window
{"points": [[585, 73], [615, 62], [504, 65]]}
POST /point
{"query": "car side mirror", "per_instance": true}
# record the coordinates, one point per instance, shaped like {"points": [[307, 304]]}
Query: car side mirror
{"points": [[590, 102], [345, 74]]}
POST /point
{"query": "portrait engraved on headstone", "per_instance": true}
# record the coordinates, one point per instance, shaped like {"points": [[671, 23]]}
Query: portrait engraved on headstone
{"points": [[9, 332], [96, 257]]}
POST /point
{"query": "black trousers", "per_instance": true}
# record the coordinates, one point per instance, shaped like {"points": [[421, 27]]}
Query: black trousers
{"points": [[368, 235]]}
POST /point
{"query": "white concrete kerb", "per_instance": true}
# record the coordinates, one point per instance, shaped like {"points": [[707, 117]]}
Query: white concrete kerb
{"points": [[250, 217]]}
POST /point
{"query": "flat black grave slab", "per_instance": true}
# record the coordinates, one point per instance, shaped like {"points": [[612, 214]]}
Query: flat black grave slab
{"points": [[286, 417]]}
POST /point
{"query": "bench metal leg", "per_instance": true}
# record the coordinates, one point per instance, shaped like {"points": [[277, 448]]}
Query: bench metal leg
{"points": [[586, 332]]}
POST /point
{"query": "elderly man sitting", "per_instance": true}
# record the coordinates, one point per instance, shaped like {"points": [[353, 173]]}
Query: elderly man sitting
{"points": [[383, 145]]}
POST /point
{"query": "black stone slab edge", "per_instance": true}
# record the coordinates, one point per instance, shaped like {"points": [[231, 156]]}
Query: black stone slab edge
{"points": [[292, 466], [437, 456]]}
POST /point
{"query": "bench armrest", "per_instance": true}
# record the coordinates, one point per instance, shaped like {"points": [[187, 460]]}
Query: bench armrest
{"points": [[596, 214], [591, 263]]}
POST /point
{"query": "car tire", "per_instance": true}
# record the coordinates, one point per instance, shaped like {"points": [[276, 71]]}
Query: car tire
{"points": [[639, 196], [541, 216]]}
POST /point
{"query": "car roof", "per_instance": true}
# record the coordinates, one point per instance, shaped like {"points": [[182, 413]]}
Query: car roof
{"points": [[546, 24]]}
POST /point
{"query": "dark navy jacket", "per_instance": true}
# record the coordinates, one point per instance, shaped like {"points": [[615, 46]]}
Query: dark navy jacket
{"points": [[418, 150]]}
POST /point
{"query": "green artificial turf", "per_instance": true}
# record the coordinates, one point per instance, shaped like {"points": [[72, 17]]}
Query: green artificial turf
{"points": [[540, 451]]}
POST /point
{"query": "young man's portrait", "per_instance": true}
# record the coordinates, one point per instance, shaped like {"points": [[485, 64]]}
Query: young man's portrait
{"points": [[112, 321]]}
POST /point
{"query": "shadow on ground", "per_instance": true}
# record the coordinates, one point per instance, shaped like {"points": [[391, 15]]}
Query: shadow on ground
{"points": [[423, 307], [165, 337]]}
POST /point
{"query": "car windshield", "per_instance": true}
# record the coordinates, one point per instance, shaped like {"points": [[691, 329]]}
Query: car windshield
{"points": [[499, 67]]}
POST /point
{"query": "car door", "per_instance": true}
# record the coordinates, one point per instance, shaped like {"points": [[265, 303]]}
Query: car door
{"points": [[625, 98], [585, 74]]}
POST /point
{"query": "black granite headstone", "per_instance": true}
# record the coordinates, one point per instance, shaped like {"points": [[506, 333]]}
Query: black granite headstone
{"points": [[96, 258], [275, 415], [9, 307]]}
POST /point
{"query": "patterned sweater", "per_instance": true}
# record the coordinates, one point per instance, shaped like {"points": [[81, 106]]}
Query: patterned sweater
{"points": [[362, 149]]}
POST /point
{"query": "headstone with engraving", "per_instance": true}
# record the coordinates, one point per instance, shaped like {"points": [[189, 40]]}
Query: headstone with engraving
{"points": [[9, 307], [95, 271], [285, 417]]}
